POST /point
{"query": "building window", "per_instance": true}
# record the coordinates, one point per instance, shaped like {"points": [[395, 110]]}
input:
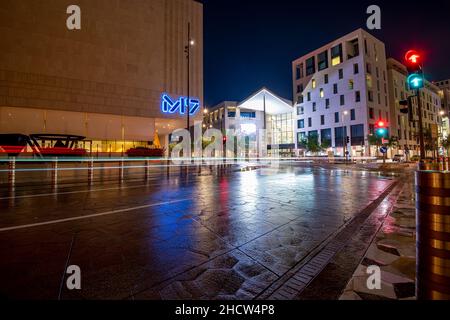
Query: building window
{"points": [[310, 66], [341, 74], [300, 99], [325, 137], [310, 122], [322, 60], [309, 96], [371, 113], [299, 88], [299, 71], [342, 99], [301, 123], [313, 83], [368, 68], [370, 96], [355, 68], [335, 88], [321, 93], [248, 115], [300, 111], [336, 117], [322, 120], [357, 96], [231, 114], [339, 136], [325, 79], [327, 103], [351, 84], [352, 115], [357, 135], [301, 139], [336, 55], [314, 107]]}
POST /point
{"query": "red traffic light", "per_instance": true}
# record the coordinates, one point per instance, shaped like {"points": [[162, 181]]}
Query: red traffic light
{"points": [[413, 57], [381, 124]]}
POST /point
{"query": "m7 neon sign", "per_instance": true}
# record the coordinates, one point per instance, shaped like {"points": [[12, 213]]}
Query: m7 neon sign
{"points": [[180, 105]]}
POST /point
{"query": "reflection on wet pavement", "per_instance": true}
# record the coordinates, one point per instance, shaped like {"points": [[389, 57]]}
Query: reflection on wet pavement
{"points": [[191, 236]]}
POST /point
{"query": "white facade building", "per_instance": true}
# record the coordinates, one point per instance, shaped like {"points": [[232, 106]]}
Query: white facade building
{"points": [[263, 110], [341, 90]]}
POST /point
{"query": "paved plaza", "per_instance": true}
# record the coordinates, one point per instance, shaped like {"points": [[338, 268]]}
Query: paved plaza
{"points": [[214, 233]]}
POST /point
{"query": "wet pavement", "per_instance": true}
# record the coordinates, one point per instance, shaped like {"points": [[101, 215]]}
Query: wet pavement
{"points": [[205, 234]]}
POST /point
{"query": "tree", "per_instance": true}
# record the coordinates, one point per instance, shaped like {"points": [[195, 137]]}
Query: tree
{"points": [[312, 143]]}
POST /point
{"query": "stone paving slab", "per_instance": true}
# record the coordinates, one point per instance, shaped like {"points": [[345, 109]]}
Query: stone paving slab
{"points": [[394, 251]]}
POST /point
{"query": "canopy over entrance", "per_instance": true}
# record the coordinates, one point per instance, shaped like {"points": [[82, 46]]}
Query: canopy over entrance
{"points": [[264, 98]]}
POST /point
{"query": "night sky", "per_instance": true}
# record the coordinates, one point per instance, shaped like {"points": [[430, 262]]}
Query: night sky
{"points": [[252, 43]]}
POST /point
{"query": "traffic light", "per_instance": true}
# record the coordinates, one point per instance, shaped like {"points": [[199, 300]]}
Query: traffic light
{"points": [[348, 139], [406, 107], [415, 81], [224, 139], [381, 129], [415, 78]]}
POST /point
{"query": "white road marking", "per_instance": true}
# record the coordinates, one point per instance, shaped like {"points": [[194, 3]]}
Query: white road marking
{"points": [[24, 226]]}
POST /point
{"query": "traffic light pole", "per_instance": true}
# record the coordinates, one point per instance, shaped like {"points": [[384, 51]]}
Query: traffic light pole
{"points": [[421, 141]]}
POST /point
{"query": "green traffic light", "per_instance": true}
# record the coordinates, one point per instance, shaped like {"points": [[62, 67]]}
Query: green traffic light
{"points": [[415, 81]]}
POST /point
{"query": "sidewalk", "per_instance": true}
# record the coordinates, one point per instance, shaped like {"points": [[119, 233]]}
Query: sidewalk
{"points": [[394, 251]]}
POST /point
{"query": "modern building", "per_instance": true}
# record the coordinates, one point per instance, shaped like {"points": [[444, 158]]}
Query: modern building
{"points": [[105, 81], [261, 110], [402, 128], [340, 91], [444, 93]]}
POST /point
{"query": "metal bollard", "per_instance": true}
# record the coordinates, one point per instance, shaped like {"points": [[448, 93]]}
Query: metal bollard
{"points": [[121, 170], [433, 235], [147, 168], [12, 172], [91, 171], [55, 172]]}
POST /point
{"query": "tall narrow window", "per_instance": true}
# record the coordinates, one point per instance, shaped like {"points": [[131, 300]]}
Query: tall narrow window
{"points": [[322, 60], [310, 66], [336, 55], [321, 93]]}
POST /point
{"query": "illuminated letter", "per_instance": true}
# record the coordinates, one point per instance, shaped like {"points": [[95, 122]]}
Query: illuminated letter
{"points": [[374, 21], [73, 22], [215, 148]]}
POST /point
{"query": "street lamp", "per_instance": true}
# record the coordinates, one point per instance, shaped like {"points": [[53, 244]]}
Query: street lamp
{"points": [[344, 134], [187, 50]]}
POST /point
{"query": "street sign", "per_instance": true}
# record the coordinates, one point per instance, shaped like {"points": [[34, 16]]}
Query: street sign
{"points": [[383, 150]]}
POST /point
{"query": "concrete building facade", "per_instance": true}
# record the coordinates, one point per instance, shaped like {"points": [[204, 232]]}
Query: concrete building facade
{"points": [[104, 81], [341, 90]]}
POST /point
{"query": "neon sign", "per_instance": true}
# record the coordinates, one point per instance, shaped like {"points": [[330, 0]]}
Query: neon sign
{"points": [[180, 105]]}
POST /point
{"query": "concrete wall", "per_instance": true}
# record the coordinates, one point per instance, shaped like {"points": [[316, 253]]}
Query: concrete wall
{"points": [[126, 54]]}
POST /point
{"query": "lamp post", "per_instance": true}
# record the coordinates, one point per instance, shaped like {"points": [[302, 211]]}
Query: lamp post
{"points": [[344, 135], [187, 50]]}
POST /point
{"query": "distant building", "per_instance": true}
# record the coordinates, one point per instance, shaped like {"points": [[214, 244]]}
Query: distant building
{"points": [[444, 93], [341, 90], [405, 131], [261, 110]]}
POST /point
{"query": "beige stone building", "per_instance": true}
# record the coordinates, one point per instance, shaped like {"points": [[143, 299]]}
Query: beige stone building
{"points": [[104, 81]]}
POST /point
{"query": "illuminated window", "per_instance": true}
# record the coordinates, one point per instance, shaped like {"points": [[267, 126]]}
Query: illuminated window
{"points": [[336, 55], [313, 83], [321, 93], [350, 84]]}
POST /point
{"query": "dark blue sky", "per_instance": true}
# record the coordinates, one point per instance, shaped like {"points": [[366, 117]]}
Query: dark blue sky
{"points": [[251, 43]]}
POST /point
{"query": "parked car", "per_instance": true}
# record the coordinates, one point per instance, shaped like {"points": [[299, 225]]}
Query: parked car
{"points": [[398, 158]]}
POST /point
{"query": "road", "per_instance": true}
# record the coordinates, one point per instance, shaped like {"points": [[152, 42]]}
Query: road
{"points": [[214, 234]]}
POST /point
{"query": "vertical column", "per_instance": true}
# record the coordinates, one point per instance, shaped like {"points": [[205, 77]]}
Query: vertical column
{"points": [[12, 172], [55, 172]]}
